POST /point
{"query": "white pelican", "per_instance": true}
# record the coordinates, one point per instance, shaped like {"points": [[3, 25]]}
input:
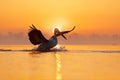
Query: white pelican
{"points": [[36, 38]]}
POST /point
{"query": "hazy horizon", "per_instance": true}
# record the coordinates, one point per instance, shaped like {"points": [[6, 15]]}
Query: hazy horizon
{"points": [[72, 38]]}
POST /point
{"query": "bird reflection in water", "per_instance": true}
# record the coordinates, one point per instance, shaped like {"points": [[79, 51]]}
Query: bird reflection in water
{"points": [[58, 67]]}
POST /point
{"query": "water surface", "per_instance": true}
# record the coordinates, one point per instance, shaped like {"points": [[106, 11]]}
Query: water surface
{"points": [[79, 62]]}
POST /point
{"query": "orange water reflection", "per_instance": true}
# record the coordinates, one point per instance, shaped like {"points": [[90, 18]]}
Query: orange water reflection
{"points": [[58, 65]]}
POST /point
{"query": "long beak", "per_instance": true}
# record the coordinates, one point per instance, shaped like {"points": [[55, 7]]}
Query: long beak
{"points": [[64, 32], [64, 37]]}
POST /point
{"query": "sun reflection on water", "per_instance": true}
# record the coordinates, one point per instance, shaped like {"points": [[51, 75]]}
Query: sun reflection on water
{"points": [[58, 65]]}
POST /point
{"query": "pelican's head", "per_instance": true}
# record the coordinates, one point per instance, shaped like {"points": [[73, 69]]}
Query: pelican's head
{"points": [[56, 30]]}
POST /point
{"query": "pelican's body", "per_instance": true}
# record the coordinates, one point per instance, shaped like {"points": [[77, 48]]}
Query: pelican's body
{"points": [[50, 44], [37, 38]]}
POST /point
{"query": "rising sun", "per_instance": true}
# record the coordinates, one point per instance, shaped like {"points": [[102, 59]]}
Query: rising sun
{"points": [[58, 27]]}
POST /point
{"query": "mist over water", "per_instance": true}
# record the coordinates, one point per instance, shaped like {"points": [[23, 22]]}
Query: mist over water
{"points": [[74, 62], [78, 38]]}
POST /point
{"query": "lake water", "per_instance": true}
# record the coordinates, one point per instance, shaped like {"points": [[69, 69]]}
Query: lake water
{"points": [[74, 62]]}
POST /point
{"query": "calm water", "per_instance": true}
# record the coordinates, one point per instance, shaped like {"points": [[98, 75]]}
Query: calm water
{"points": [[79, 62]]}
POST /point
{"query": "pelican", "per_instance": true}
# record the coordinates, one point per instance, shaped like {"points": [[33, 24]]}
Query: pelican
{"points": [[36, 38]]}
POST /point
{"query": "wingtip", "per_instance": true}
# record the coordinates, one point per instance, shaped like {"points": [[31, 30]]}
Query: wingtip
{"points": [[32, 27], [73, 28]]}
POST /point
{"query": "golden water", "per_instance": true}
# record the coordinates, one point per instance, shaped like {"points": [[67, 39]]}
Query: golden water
{"points": [[80, 62]]}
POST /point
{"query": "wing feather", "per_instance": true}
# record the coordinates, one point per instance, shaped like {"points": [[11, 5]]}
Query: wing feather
{"points": [[36, 36]]}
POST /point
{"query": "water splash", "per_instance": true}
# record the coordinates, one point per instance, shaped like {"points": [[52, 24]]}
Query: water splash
{"points": [[59, 48]]}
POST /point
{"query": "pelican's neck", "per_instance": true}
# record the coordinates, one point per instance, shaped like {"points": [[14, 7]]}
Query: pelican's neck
{"points": [[55, 33]]}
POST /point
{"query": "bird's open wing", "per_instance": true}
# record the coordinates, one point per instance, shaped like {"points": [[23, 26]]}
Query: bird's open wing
{"points": [[64, 32], [35, 36]]}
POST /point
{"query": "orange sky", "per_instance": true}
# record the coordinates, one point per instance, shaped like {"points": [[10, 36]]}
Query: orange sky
{"points": [[89, 16]]}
